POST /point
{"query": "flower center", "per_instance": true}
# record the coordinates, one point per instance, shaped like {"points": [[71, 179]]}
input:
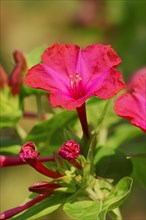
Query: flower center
{"points": [[75, 85]]}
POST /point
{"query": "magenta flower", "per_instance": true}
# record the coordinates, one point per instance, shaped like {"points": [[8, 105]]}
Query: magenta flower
{"points": [[132, 105], [72, 75], [29, 155]]}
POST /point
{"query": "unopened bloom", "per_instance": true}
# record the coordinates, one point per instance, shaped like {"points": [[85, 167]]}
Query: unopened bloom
{"points": [[44, 187], [132, 105], [72, 75], [70, 150], [29, 155], [15, 79]]}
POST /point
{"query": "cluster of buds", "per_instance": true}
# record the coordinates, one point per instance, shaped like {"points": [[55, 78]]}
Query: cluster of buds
{"points": [[28, 155]]}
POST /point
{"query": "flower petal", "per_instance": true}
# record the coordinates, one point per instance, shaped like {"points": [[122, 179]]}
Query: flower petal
{"points": [[43, 77], [62, 100], [109, 84], [99, 58], [132, 107], [62, 58], [138, 82]]}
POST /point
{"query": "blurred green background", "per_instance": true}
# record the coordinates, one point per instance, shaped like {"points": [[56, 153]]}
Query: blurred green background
{"points": [[27, 24]]}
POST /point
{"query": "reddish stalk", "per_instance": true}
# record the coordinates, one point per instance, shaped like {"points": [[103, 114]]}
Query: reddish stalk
{"points": [[83, 120], [14, 211], [37, 165], [6, 161]]}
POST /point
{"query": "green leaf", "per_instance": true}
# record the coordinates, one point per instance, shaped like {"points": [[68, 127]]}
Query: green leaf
{"points": [[10, 109], [116, 197], [44, 207], [49, 134], [34, 57], [82, 210], [122, 133], [112, 164], [139, 170]]}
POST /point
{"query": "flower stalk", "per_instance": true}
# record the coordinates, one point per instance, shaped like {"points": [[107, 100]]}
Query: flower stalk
{"points": [[14, 211], [6, 161], [83, 120]]}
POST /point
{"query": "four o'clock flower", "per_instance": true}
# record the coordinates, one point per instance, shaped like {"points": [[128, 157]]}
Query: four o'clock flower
{"points": [[29, 155], [132, 105], [72, 75]]}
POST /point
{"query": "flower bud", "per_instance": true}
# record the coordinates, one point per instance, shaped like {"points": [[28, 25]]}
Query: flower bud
{"points": [[44, 187], [69, 150], [29, 155], [15, 79], [28, 152]]}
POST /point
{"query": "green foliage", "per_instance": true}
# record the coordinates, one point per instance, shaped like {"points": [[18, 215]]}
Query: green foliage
{"points": [[83, 209], [10, 110], [139, 169], [116, 197], [46, 206], [49, 134], [112, 164], [34, 57]]}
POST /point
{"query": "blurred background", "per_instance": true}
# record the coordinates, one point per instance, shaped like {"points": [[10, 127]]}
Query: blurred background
{"points": [[27, 24]]}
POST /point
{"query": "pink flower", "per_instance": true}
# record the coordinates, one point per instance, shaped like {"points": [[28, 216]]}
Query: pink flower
{"points": [[29, 155], [132, 105], [72, 75]]}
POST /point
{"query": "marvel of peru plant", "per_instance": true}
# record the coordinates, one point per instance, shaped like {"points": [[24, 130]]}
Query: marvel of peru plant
{"points": [[87, 171]]}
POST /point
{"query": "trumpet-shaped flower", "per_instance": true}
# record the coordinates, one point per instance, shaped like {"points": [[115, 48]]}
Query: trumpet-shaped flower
{"points": [[72, 75], [132, 105]]}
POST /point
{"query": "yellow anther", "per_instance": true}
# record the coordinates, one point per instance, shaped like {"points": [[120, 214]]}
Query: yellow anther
{"points": [[70, 76], [77, 75]]}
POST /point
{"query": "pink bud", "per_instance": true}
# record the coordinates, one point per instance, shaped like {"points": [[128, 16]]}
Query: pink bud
{"points": [[19, 59], [70, 150], [29, 155], [15, 79], [44, 187], [28, 152]]}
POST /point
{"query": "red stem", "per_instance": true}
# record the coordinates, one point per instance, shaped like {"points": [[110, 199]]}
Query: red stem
{"points": [[37, 165], [11, 212], [6, 161], [83, 119]]}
